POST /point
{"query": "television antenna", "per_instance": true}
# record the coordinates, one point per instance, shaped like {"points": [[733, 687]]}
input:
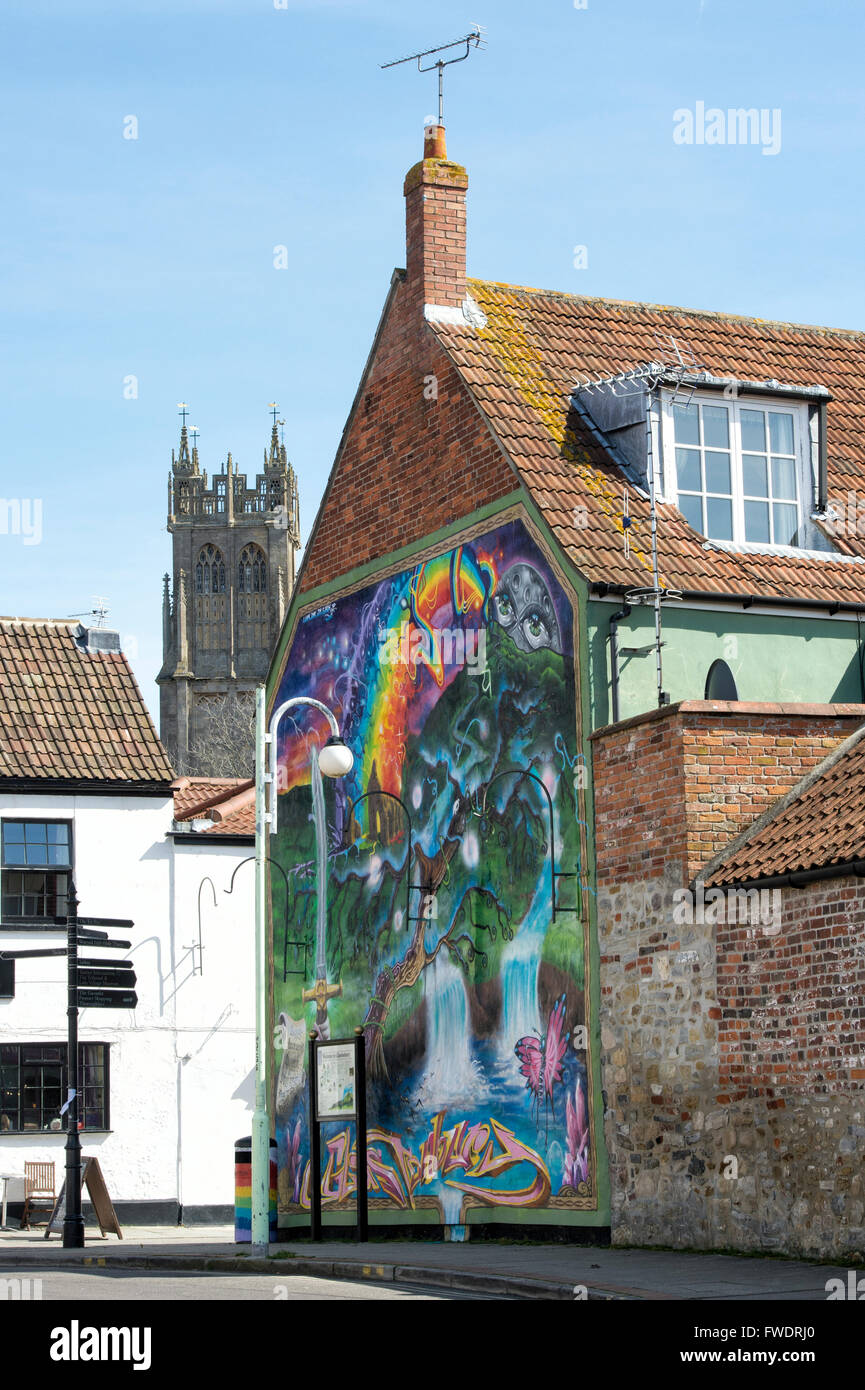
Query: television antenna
{"points": [[475, 39], [99, 611], [677, 368]]}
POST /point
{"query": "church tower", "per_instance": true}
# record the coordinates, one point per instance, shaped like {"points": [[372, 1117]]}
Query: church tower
{"points": [[234, 549]]}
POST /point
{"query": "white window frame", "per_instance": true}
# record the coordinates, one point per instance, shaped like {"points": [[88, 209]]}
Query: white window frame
{"points": [[802, 451]]}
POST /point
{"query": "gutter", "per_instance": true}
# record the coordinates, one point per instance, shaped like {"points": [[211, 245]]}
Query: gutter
{"points": [[84, 786], [796, 878], [832, 606], [203, 838]]}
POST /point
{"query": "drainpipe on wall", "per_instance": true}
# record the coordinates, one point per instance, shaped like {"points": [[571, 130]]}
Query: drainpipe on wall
{"points": [[623, 612]]}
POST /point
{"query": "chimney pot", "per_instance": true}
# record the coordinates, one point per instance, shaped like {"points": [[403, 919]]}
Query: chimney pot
{"points": [[434, 143]]}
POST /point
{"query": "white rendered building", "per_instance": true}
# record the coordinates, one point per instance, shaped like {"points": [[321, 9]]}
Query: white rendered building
{"points": [[87, 795]]}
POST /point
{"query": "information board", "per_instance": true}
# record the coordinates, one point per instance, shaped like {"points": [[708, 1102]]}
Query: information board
{"points": [[335, 1081], [337, 1091]]}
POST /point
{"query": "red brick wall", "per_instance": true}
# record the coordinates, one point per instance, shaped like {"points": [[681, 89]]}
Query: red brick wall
{"points": [[791, 994], [735, 766], [411, 463], [683, 782]]}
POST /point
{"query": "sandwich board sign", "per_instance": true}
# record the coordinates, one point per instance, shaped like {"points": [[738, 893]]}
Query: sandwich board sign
{"points": [[92, 1179]]}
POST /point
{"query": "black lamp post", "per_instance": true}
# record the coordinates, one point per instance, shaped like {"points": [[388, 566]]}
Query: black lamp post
{"points": [[73, 1220]]}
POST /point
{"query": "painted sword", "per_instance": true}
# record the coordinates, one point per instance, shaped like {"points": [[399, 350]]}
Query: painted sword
{"points": [[321, 992]]}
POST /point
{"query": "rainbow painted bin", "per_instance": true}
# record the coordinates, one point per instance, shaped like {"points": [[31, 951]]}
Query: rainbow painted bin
{"points": [[243, 1191]]}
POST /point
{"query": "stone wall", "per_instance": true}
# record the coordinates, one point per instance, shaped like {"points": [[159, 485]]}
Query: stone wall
{"points": [[732, 1053]]}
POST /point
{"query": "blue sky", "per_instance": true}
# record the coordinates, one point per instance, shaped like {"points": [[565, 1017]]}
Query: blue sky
{"points": [[260, 127]]}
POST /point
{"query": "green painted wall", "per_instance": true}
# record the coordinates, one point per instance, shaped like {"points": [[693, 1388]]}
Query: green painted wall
{"points": [[772, 658]]}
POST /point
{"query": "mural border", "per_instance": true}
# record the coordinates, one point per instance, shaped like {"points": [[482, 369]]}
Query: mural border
{"points": [[592, 1211]]}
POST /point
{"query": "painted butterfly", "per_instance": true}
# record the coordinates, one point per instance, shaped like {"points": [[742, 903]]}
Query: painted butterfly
{"points": [[542, 1058]]}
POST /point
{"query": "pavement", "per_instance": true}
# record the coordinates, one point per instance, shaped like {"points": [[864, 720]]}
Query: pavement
{"points": [[493, 1269]]}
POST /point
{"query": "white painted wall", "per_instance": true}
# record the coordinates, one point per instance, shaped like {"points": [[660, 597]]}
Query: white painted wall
{"points": [[181, 1063], [215, 1016]]}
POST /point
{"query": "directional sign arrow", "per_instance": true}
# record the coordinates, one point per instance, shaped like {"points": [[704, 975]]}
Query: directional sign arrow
{"points": [[31, 955], [93, 935], [104, 963], [107, 999], [106, 979], [123, 922], [112, 945]]}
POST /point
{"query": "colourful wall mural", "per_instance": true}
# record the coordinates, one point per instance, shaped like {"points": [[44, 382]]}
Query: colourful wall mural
{"points": [[436, 897]]}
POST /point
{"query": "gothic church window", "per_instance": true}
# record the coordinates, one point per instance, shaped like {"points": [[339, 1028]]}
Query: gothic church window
{"points": [[252, 598], [211, 630]]}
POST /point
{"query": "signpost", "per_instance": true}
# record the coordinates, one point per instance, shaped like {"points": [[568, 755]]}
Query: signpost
{"points": [[337, 1091], [104, 977], [97, 963], [92, 983], [107, 998]]}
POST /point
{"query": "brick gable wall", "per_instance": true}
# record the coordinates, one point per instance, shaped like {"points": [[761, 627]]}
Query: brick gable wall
{"points": [[417, 456]]}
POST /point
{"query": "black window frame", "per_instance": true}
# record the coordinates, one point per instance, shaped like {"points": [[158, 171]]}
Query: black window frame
{"points": [[51, 1112], [46, 922]]}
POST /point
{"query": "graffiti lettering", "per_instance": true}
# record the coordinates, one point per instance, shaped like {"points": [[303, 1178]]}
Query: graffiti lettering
{"points": [[474, 1150]]}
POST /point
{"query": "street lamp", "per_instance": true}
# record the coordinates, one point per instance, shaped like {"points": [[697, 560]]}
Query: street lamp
{"points": [[335, 759]]}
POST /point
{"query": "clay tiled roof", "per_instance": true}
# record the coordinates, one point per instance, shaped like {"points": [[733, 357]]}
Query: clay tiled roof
{"points": [[194, 796], [228, 802], [820, 822], [537, 346], [238, 821], [70, 714]]}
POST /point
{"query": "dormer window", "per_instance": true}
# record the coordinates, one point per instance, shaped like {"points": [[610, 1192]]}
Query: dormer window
{"points": [[739, 469]]}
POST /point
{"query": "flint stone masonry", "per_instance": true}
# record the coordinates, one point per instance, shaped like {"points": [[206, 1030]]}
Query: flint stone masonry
{"points": [[732, 1054]]}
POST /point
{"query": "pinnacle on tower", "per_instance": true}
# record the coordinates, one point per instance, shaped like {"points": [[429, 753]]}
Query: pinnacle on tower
{"points": [[276, 457], [185, 461]]}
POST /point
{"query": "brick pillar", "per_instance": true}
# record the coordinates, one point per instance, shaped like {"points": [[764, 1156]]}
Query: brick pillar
{"points": [[435, 218]]}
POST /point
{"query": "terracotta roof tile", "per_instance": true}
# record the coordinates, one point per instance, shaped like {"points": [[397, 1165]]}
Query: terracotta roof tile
{"points": [[69, 713], [229, 802], [820, 822], [195, 796], [537, 345], [240, 821]]}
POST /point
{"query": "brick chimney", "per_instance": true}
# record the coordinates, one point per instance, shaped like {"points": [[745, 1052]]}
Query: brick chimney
{"points": [[435, 222]]}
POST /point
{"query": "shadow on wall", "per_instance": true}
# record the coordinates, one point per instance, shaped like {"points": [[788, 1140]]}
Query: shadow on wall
{"points": [[246, 1090]]}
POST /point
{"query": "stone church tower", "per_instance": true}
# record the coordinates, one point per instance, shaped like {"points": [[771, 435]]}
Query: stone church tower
{"points": [[222, 609]]}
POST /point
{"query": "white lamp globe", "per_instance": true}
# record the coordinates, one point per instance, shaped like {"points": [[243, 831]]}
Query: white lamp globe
{"points": [[336, 758]]}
